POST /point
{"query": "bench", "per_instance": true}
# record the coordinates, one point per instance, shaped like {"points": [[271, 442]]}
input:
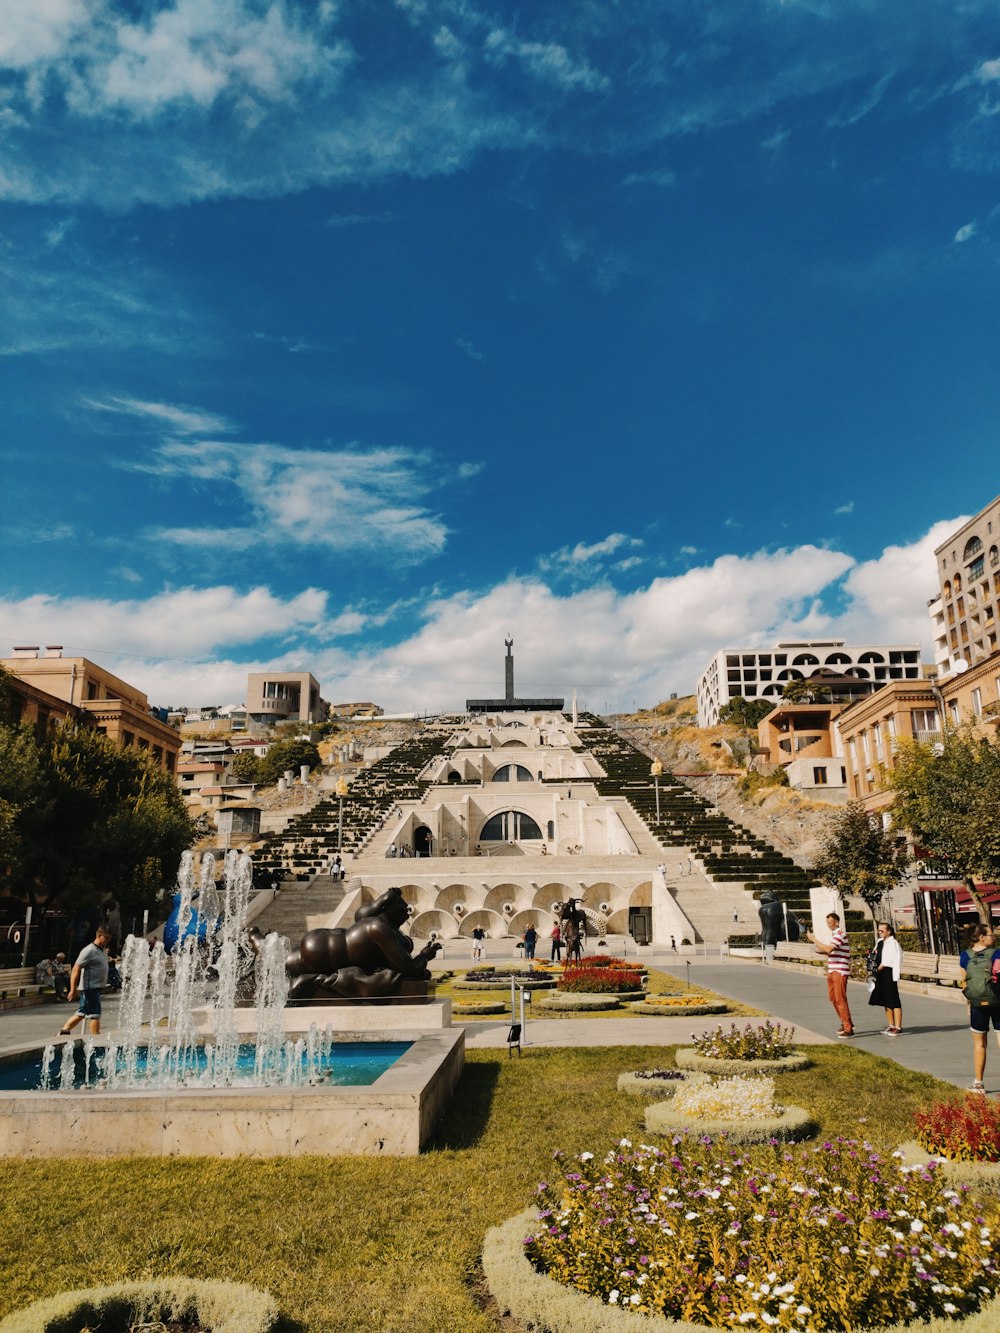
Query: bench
{"points": [[942, 969], [18, 988]]}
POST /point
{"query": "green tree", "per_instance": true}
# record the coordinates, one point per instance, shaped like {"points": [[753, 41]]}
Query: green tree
{"points": [[288, 754], [246, 767], [740, 712], [812, 690], [859, 856], [947, 795], [92, 819]]}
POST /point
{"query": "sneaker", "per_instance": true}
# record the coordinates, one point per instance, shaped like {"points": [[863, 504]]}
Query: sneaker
{"points": [[887, 1032], [978, 1086], [842, 1035]]}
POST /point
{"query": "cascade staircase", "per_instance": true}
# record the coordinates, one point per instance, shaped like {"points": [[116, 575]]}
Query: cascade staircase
{"points": [[306, 846], [298, 901]]}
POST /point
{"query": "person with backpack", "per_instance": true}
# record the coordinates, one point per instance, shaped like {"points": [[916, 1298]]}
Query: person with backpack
{"points": [[980, 966]]}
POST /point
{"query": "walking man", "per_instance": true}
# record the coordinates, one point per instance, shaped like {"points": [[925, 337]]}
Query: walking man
{"points": [[838, 965], [980, 966], [89, 975]]}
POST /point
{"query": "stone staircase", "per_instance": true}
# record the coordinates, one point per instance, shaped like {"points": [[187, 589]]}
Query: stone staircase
{"points": [[288, 915]]}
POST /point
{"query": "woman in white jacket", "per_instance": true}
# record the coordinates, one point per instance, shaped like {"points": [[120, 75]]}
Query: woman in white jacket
{"points": [[888, 959]]}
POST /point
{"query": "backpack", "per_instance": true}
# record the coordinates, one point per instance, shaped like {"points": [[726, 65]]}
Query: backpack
{"points": [[981, 986]]}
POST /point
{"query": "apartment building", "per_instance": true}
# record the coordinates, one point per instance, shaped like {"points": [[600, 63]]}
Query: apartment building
{"points": [[756, 673], [284, 696], [119, 710], [966, 613], [804, 740]]}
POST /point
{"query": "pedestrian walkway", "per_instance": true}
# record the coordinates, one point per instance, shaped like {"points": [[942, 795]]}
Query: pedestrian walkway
{"points": [[935, 1039]]}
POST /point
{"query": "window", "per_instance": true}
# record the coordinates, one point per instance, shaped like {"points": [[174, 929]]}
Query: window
{"points": [[977, 568], [924, 719], [890, 727], [977, 703], [512, 773], [877, 735], [510, 826], [865, 750], [819, 777], [953, 710], [972, 546]]}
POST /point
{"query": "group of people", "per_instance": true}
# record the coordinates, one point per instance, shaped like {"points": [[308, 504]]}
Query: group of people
{"points": [[980, 979], [569, 931]]}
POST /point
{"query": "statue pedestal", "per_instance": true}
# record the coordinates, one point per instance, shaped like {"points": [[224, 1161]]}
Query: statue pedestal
{"points": [[410, 992]]}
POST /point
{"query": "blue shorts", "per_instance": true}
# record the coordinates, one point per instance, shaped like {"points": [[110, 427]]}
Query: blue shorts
{"points": [[981, 1015], [90, 1004]]}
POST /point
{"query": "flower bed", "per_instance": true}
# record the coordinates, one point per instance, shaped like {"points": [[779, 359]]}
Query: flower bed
{"points": [[961, 1131], [984, 1174], [686, 1058], [220, 1307], [742, 1108], [602, 980], [579, 1003], [500, 978], [658, 1084], [830, 1236], [462, 1009]]}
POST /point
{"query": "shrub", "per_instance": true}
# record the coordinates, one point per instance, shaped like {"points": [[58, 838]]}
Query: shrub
{"points": [[769, 1041], [962, 1131], [600, 980], [832, 1236], [602, 960]]}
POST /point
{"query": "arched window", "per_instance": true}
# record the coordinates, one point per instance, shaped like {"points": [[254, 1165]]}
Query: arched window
{"points": [[805, 659], [994, 556], [958, 583], [512, 773], [972, 547], [871, 657], [947, 585], [510, 826], [838, 659]]}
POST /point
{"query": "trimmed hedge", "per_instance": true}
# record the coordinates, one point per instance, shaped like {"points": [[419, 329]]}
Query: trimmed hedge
{"points": [[688, 1058], [678, 1010], [222, 1307], [984, 1174], [462, 1010]]}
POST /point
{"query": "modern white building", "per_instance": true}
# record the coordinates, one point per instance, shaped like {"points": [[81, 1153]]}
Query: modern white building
{"points": [[763, 673]]}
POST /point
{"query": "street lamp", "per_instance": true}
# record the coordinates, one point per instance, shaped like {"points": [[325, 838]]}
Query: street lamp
{"points": [[655, 769], [341, 793]]}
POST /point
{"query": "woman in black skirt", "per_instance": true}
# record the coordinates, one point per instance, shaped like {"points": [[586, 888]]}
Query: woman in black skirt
{"points": [[888, 957]]}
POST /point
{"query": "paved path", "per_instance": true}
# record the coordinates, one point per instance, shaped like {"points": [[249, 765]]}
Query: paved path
{"points": [[936, 1038]]}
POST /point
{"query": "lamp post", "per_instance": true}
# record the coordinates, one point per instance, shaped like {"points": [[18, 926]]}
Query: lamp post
{"points": [[655, 769], [341, 793]]}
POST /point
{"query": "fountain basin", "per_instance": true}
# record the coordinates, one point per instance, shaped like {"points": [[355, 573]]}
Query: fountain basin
{"points": [[394, 1116]]}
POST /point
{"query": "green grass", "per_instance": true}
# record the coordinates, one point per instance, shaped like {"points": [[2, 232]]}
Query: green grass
{"points": [[369, 1244]]}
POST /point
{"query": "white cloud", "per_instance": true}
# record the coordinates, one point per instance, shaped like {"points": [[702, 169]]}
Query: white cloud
{"points": [[346, 499], [847, 508], [965, 233], [608, 645], [663, 177], [546, 60], [180, 420], [466, 345], [988, 71]]}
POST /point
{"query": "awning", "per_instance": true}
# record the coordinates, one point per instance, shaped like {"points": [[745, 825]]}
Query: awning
{"points": [[990, 892]]}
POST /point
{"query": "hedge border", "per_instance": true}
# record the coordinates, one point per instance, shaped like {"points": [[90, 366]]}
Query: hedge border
{"points": [[226, 1307], [470, 1010], [503, 983], [688, 1058], [540, 1302], [792, 1124]]}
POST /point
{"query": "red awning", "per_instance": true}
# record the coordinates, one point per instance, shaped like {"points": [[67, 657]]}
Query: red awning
{"points": [[990, 892]]}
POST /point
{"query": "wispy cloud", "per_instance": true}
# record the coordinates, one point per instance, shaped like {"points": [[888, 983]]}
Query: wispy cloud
{"points": [[466, 345], [965, 233], [179, 420], [847, 508]]}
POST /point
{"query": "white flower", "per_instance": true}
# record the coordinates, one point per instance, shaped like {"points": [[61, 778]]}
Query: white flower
{"points": [[747, 1316], [613, 1296], [916, 1225], [586, 1156]]}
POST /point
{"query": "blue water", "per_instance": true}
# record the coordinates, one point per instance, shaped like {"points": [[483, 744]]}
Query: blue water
{"points": [[348, 1064]]}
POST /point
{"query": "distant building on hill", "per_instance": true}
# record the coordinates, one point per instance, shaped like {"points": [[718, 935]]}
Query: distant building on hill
{"points": [[510, 703], [82, 688], [763, 673], [284, 696]]}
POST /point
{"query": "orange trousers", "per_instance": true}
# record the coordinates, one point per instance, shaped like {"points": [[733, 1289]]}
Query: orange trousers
{"points": [[836, 985]]}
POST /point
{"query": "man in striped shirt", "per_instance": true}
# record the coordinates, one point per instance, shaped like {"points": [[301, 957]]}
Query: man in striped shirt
{"points": [[838, 965]]}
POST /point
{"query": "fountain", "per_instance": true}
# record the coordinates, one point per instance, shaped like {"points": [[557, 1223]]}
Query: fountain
{"points": [[190, 1070]]}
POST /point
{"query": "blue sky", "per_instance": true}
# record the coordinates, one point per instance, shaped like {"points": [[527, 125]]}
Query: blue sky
{"points": [[355, 336]]}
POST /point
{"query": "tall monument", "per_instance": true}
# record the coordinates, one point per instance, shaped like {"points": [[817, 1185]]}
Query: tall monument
{"points": [[510, 703]]}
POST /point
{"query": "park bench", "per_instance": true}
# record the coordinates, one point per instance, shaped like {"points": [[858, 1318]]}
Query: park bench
{"points": [[942, 969], [18, 988]]}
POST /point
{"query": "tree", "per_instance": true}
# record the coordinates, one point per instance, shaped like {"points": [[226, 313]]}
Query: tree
{"points": [[813, 690], [859, 856], [288, 754], [746, 713], [246, 767], [84, 818], [947, 795]]}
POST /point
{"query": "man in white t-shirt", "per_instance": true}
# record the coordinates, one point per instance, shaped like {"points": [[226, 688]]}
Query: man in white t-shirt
{"points": [[89, 976]]}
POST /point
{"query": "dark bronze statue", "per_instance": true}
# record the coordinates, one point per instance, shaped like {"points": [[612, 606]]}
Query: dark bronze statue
{"points": [[573, 924], [772, 921], [369, 959]]}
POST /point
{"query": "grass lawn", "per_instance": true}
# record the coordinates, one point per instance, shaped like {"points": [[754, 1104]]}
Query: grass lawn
{"points": [[380, 1244]]}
